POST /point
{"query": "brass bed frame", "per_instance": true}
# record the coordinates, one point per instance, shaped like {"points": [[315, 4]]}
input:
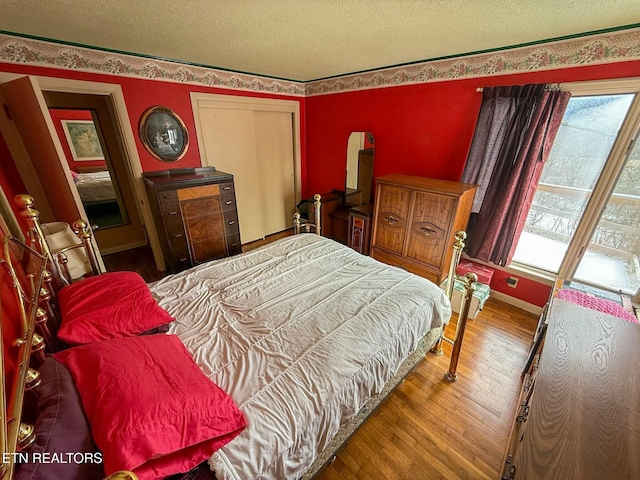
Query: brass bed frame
{"points": [[34, 289], [27, 271]]}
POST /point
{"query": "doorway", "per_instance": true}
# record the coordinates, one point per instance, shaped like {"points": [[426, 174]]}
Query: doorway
{"points": [[93, 149]]}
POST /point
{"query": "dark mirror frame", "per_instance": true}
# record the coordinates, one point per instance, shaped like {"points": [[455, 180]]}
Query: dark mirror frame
{"points": [[163, 134]]}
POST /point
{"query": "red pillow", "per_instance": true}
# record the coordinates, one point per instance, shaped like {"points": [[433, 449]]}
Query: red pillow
{"points": [[150, 407], [111, 305]]}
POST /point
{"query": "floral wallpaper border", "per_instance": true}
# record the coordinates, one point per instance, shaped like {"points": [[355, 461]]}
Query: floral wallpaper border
{"points": [[15, 49], [598, 49]]}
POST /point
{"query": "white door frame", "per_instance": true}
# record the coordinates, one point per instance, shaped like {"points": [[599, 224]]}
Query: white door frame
{"points": [[132, 159]]}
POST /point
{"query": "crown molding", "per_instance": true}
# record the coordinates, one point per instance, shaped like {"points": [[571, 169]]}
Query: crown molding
{"points": [[605, 48], [30, 51], [611, 47]]}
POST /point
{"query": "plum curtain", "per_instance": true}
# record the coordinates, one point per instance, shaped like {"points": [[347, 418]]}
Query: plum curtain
{"points": [[514, 133]]}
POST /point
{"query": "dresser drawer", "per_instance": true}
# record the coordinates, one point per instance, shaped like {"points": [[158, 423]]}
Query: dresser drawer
{"points": [[228, 201], [231, 222], [168, 196], [233, 244], [170, 211], [226, 188]]}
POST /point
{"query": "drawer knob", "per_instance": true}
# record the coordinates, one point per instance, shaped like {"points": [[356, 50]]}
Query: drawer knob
{"points": [[177, 235], [167, 196], [228, 202], [234, 244], [231, 222], [390, 220], [173, 212], [427, 230], [184, 259], [226, 188]]}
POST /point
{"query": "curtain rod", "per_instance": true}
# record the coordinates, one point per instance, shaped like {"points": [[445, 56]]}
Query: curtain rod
{"points": [[549, 87]]}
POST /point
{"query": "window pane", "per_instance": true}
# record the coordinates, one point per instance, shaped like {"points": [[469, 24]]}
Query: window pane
{"points": [[585, 138], [611, 260]]}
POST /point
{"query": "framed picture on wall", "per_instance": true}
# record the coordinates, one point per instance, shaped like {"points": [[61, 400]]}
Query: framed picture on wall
{"points": [[163, 134], [83, 140]]}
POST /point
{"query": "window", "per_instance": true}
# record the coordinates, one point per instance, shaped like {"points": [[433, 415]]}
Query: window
{"points": [[584, 222]]}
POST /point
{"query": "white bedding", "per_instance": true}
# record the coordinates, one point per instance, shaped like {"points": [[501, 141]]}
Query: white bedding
{"points": [[95, 187], [300, 333]]}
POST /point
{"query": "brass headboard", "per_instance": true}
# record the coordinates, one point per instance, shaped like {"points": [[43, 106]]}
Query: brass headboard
{"points": [[299, 227], [22, 276], [23, 273]]}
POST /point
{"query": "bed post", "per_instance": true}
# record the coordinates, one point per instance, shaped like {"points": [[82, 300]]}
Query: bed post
{"points": [[297, 224], [316, 213], [458, 245], [35, 238], [84, 233], [470, 287]]}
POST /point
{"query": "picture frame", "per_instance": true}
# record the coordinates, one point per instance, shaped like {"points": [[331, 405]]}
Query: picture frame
{"points": [[163, 134], [83, 140]]}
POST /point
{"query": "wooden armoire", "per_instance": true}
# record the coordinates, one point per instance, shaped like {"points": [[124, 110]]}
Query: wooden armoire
{"points": [[414, 221]]}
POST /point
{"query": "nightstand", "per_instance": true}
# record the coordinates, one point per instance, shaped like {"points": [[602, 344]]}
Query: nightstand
{"points": [[360, 227]]}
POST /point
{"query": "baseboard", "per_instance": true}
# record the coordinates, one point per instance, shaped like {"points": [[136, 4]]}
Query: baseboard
{"points": [[516, 302], [122, 248]]}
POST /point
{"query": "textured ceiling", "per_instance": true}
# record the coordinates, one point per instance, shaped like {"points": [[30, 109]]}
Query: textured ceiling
{"points": [[310, 39]]}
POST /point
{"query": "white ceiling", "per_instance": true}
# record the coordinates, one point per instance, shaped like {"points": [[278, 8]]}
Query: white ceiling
{"points": [[310, 39]]}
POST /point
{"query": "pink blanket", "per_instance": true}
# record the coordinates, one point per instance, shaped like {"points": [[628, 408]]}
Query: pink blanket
{"points": [[601, 304]]}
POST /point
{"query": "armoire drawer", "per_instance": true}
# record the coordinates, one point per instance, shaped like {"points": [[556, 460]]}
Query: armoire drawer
{"points": [[398, 261]]}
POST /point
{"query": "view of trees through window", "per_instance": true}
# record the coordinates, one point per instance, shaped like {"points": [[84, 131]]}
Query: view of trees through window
{"points": [[583, 144]]}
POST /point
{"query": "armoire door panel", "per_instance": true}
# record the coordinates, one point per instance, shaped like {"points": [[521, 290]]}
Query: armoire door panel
{"points": [[428, 238], [392, 217], [434, 210]]}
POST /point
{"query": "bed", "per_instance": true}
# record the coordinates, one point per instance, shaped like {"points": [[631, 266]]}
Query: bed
{"points": [[95, 188], [302, 337]]}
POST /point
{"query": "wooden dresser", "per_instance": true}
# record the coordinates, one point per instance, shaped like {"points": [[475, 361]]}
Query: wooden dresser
{"points": [[414, 221], [579, 410], [195, 213]]}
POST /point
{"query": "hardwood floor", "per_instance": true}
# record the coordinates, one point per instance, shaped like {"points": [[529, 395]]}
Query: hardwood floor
{"points": [[141, 260], [429, 428]]}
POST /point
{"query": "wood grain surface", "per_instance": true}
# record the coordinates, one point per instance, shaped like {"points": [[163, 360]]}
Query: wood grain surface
{"points": [[584, 418]]}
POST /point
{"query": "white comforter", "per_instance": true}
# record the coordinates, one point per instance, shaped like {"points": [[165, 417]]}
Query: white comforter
{"points": [[300, 333], [96, 187]]}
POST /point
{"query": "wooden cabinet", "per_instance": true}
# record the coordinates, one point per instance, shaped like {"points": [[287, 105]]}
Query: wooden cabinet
{"points": [[414, 221], [360, 228], [195, 213], [578, 412]]}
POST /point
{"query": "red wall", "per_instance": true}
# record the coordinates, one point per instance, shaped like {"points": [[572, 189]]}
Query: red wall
{"points": [[140, 94], [423, 130]]}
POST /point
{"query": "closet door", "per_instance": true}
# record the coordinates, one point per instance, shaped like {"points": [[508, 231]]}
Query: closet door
{"points": [[256, 147], [274, 140], [229, 141]]}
